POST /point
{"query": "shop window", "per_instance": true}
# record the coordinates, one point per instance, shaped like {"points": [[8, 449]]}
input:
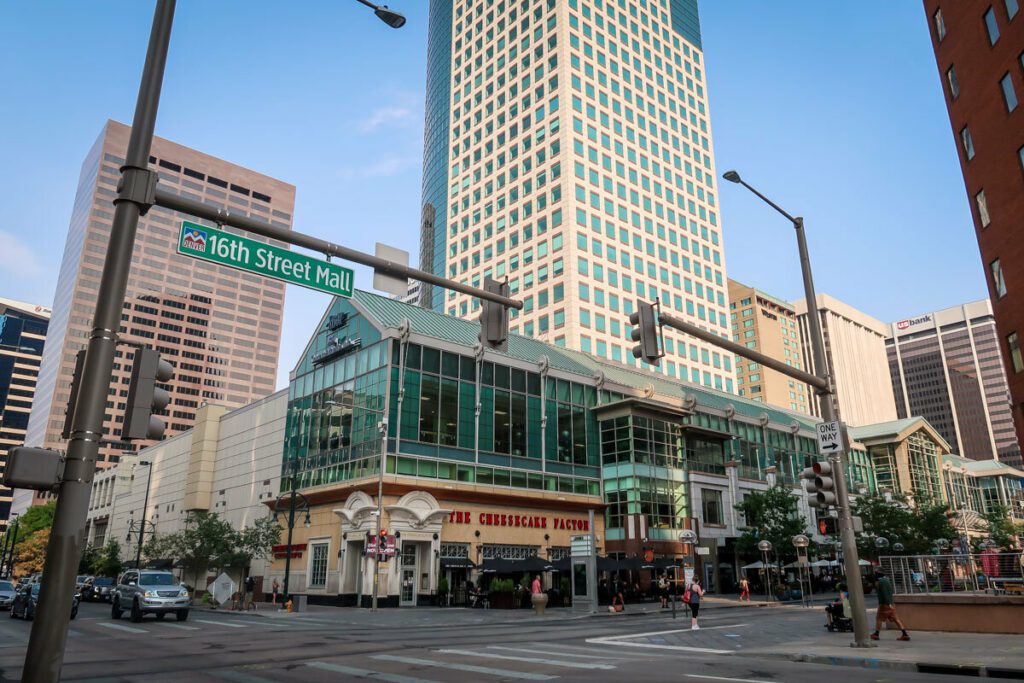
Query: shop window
{"points": [[318, 565], [711, 504]]}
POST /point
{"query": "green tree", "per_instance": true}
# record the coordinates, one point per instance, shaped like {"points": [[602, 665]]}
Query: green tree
{"points": [[88, 560], [771, 515], [108, 560], [207, 541], [916, 528], [35, 519], [30, 555], [1001, 529]]}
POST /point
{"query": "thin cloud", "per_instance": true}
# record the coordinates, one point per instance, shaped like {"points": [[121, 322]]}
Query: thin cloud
{"points": [[382, 168], [17, 257], [397, 116]]}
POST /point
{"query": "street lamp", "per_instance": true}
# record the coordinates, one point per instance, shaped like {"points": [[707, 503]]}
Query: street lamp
{"points": [[390, 17], [688, 537], [766, 547], [828, 414], [145, 507], [800, 542], [7, 556], [293, 497]]}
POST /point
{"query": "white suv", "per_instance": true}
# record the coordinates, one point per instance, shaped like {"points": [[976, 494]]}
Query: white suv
{"points": [[139, 592]]}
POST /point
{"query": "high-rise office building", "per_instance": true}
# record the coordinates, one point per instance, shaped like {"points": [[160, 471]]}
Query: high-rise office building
{"points": [[219, 327], [768, 324], [22, 334], [946, 367], [568, 148], [978, 46], [855, 354]]}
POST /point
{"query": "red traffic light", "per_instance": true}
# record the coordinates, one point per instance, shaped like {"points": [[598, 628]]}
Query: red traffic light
{"points": [[383, 534]]}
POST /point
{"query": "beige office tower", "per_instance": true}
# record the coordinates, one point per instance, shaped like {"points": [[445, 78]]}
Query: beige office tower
{"points": [[568, 148], [219, 327], [767, 324], [857, 360]]}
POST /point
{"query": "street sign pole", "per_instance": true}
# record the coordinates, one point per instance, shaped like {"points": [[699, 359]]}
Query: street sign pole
{"points": [[44, 656]]}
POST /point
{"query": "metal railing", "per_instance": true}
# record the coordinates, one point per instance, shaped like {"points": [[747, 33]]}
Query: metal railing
{"points": [[1000, 573]]}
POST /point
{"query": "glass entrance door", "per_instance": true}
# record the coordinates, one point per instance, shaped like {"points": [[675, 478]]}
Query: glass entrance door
{"points": [[408, 570]]}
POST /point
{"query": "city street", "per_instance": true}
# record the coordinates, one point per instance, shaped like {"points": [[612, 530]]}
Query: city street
{"points": [[417, 646]]}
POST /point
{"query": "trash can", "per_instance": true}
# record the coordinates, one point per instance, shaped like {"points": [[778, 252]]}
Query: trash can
{"points": [[298, 603]]}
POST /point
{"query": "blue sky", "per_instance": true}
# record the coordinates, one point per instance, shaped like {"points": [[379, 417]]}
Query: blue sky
{"points": [[832, 109]]}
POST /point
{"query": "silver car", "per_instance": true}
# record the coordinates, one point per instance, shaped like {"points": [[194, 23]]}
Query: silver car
{"points": [[149, 591], [7, 593]]}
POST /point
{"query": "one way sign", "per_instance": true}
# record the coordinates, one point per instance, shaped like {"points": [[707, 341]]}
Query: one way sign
{"points": [[830, 438]]}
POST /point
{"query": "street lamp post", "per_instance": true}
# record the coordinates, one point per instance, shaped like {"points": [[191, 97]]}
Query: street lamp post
{"points": [[766, 547], [44, 655], [383, 427], [800, 542], [7, 558], [828, 414], [688, 537], [145, 507], [293, 496]]}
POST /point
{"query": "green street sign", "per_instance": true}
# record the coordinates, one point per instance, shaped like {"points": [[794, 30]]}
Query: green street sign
{"points": [[243, 253]]}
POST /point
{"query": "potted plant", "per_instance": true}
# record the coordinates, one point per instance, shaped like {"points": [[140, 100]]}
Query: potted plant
{"points": [[502, 594], [564, 585], [442, 591]]}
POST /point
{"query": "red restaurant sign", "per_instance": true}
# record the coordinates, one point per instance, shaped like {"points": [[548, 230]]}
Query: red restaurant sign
{"points": [[281, 551], [521, 521]]}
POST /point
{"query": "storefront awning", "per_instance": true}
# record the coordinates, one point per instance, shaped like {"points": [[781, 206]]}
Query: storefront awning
{"points": [[457, 563]]}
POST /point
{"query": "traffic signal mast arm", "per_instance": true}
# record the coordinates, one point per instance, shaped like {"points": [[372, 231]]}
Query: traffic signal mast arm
{"points": [[169, 200], [676, 323]]}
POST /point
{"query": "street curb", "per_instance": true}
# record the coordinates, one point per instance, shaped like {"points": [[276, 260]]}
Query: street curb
{"points": [[949, 668]]}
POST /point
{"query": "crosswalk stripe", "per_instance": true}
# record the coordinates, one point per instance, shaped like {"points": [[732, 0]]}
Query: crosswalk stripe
{"points": [[181, 627], [240, 677], [121, 627], [366, 673], [507, 673], [591, 653], [221, 623], [552, 662]]}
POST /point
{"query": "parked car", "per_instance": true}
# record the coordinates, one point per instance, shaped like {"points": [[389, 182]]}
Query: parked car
{"points": [[26, 601], [7, 593], [98, 589], [139, 592]]}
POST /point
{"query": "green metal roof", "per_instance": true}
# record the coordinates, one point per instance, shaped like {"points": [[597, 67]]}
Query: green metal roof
{"points": [[884, 429], [391, 312]]}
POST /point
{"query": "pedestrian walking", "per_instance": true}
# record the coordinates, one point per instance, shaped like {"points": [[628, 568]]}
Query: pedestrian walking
{"points": [[663, 591], [886, 607], [250, 589], [692, 597], [276, 588], [744, 589]]}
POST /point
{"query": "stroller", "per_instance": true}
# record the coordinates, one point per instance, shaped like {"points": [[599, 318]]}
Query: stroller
{"points": [[840, 617]]}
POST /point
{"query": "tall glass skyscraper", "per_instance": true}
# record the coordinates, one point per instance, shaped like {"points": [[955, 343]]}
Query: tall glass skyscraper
{"points": [[568, 148]]}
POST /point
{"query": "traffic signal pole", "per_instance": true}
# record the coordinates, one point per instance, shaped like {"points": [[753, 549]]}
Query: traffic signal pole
{"points": [[44, 656], [820, 381]]}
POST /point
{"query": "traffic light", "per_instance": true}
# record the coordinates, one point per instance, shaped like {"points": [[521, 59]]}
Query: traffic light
{"points": [[828, 526], [645, 331], [145, 397], [494, 316], [819, 485]]}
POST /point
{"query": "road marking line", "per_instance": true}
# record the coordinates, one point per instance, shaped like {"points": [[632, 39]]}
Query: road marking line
{"points": [[221, 623], [580, 648], [552, 662], [466, 667], [549, 652], [680, 648], [723, 678], [119, 627], [240, 677], [677, 630], [182, 627], [366, 673]]}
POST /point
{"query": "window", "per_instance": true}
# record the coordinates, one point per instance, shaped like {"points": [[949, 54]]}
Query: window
{"points": [[711, 502], [940, 25], [954, 84], [968, 142], [1016, 358], [318, 565], [1011, 8], [1009, 94], [982, 204], [998, 281], [992, 26]]}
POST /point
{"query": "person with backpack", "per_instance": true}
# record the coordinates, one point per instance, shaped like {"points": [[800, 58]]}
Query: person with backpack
{"points": [[250, 590], [692, 597], [663, 591]]}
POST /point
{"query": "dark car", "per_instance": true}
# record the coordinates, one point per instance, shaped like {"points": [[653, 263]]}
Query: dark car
{"points": [[7, 593], [26, 602], [98, 589]]}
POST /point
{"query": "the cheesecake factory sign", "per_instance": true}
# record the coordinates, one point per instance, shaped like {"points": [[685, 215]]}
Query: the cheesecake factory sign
{"points": [[519, 521]]}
